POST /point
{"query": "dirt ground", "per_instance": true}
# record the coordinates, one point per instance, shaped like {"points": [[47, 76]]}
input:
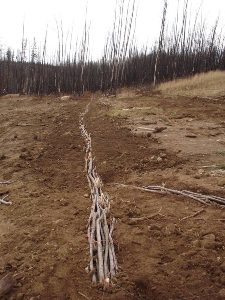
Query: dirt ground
{"points": [[164, 255]]}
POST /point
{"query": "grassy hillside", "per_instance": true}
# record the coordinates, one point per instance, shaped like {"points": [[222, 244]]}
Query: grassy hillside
{"points": [[205, 85]]}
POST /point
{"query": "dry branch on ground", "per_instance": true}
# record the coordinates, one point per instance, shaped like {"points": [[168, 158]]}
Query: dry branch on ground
{"points": [[4, 201], [204, 199]]}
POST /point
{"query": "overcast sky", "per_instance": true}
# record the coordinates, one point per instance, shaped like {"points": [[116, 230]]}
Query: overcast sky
{"points": [[38, 14]]}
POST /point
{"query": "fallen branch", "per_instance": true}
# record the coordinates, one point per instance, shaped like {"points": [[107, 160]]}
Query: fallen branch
{"points": [[193, 215], [3, 201], [6, 182], [86, 297], [103, 263], [134, 220], [203, 199], [146, 128], [27, 125]]}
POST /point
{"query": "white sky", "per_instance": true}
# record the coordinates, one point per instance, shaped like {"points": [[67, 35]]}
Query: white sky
{"points": [[37, 14]]}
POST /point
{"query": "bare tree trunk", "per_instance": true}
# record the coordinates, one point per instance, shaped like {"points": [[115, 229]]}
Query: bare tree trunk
{"points": [[161, 38]]}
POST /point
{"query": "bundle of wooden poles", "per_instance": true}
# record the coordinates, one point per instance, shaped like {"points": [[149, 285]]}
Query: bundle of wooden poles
{"points": [[103, 262]]}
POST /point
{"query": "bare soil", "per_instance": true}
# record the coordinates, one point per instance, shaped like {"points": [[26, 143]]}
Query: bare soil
{"points": [[161, 254]]}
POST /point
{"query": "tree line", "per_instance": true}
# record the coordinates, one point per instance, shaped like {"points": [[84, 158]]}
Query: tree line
{"points": [[184, 51]]}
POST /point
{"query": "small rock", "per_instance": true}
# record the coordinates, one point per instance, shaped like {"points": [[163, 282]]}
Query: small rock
{"points": [[154, 227], [144, 161], [86, 195], [65, 98], [64, 203], [132, 222], [222, 280], [170, 229], [2, 156], [117, 295], [189, 253], [210, 237], [19, 284], [208, 244], [159, 129], [37, 259], [222, 294], [8, 266], [209, 241], [222, 267], [19, 257], [196, 243], [6, 283], [20, 296]]}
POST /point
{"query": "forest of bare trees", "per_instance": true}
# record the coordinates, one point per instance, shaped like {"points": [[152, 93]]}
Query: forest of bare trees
{"points": [[185, 50]]}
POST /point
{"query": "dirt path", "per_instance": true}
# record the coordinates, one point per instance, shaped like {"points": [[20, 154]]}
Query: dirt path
{"points": [[43, 234]]}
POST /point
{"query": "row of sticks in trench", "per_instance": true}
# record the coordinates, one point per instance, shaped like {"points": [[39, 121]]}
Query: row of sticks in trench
{"points": [[103, 263]]}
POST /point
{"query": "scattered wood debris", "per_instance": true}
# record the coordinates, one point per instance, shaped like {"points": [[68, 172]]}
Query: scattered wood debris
{"points": [[204, 199]]}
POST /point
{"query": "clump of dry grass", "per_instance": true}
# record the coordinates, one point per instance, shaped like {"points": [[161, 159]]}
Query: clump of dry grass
{"points": [[126, 93], [205, 85]]}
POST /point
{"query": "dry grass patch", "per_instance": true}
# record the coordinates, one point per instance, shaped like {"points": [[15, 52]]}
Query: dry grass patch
{"points": [[126, 93], [205, 85], [133, 112]]}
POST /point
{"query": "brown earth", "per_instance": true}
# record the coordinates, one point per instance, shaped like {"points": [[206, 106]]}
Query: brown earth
{"points": [[43, 238]]}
